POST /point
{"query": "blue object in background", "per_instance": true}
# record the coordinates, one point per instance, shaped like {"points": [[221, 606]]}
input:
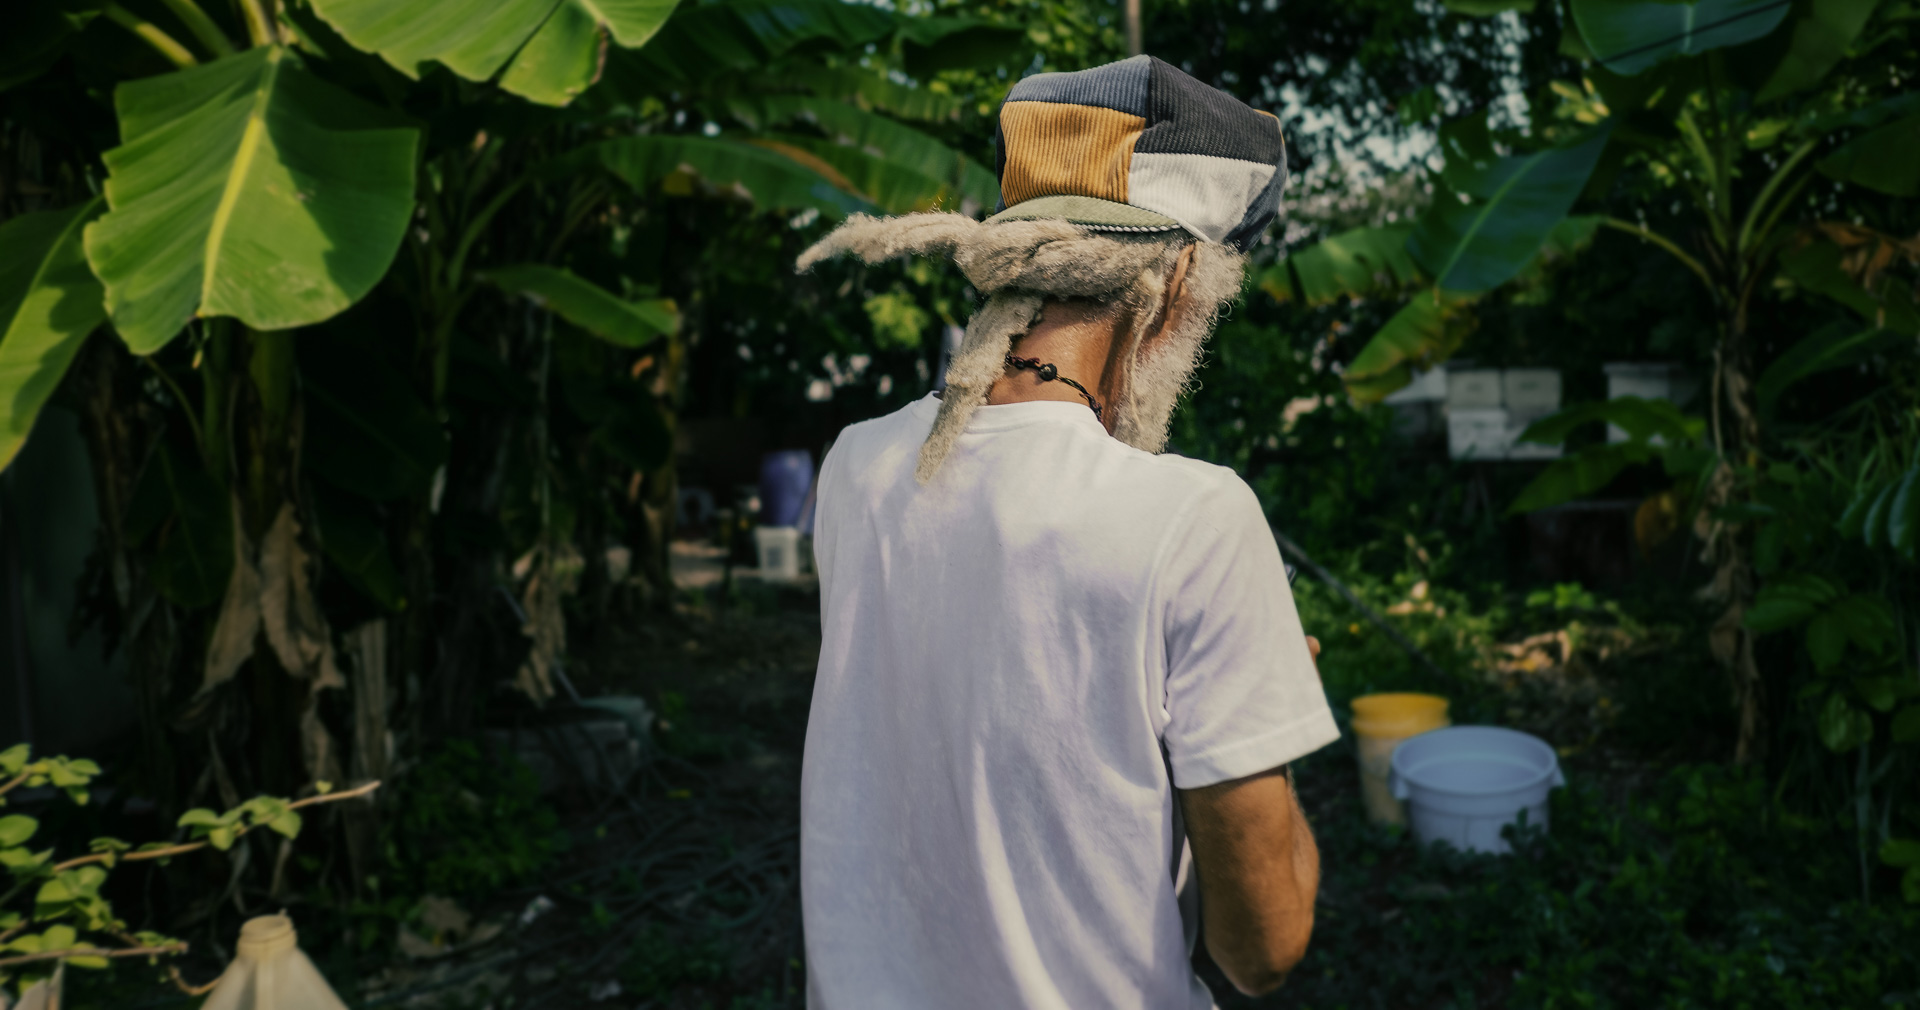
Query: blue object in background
{"points": [[785, 478]]}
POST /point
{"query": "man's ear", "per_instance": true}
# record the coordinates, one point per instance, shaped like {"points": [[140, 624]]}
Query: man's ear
{"points": [[1178, 297]]}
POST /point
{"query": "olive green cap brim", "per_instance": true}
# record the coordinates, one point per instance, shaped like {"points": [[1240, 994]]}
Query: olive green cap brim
{"points": [[1092, 212]]}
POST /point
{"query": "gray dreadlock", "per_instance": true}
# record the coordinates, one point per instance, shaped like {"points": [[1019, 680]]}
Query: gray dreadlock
{"points": [[1018, 266]]}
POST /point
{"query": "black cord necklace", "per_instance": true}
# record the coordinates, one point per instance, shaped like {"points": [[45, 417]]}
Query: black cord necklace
{"points": [[1048, 373]]}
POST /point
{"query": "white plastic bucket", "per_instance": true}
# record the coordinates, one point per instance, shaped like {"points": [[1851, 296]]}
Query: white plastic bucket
{"points": [[1463, 784]]}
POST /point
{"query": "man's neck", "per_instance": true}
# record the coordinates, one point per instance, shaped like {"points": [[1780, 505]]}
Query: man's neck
{"points": [[1075, 339]]}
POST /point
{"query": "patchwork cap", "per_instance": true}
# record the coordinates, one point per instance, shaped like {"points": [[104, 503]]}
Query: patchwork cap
{"points": [[1139, 146]]}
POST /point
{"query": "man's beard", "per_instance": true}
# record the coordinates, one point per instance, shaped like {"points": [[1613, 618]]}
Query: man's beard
{"points": [[1154, 386]]}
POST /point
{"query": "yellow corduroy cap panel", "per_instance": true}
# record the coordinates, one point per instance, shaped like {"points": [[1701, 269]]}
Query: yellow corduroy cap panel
{"points": [[1058, 149]]}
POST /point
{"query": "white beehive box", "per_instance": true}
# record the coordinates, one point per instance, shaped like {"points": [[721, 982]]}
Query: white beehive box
{"points": [[1517, 422], [1473, 389], [1531, 391], [1428, 385], [1649, 381], [1479, 434]]}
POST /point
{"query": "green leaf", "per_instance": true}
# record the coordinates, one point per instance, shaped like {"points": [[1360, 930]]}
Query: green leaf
{"points": [[14, 758], [1869, 620], [1890, 305], [709, 40], [1821, 36], [1790, 601], [1630, 37], [1873, 530], [1880, 160], [1852, 522], [1419, 335], [220, 837], [589, 306], [773, 179], [1836, 345], [195, 554], [869, 89], [931, 45], [1900, 852], [287, 823], [354, 543], [1642, 419], [1843, 727], [563, 58], [1515, 203], [1906, 725], [1903, 514], [49, 302], [15, 829], [551, 49], [1881, 693], [946, 177], [246, 187], [1361, 263], [1826, 640], [1577, 475], [198, 816], [367, 431]]}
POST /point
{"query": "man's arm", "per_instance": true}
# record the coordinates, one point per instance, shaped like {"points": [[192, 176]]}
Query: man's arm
{"points": [[1259, 872]]}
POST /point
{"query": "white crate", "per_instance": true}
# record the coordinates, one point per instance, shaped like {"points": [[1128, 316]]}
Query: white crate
{"points": [[1517, 422], [1649, 381], [1473, 389], [1530, 390], [1481, 434], [1428, 385]]}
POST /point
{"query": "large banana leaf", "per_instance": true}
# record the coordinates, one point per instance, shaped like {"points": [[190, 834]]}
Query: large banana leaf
{"points": [[1889, 305], [589, 306], [931, 45], [710, 40], [246, 187], [1882, 159], [1821, 36], [1837, 345], [551, 49], [49, 302], [1516, 202], [1361, 263], [872, 91], [1629, 37], [893, 165], [1422, 334], [773, 176]]}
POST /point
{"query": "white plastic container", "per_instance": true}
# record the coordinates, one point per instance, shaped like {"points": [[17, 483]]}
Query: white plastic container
{"points": [[1648, 381], [779, 548], [1426, 386], [1473, 389], [1480, 434], [1530, 391], [270, 972], [1517, 424], [1463, 784]]}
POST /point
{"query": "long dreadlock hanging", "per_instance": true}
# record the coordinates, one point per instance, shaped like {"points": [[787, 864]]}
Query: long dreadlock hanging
{"points": [[1018, 265]]}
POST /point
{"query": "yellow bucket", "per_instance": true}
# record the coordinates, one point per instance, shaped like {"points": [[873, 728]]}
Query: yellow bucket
{"points": [[1381, 721]]}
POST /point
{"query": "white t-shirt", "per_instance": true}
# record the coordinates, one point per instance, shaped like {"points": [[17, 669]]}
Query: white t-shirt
{"points": [[1015, 659]]}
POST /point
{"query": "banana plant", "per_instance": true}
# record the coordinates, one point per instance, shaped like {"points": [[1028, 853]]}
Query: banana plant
{"points": [[333, 239]]}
